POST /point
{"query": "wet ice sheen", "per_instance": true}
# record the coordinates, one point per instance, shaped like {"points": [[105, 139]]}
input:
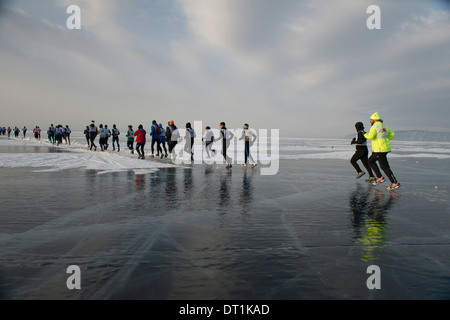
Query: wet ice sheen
{"points": [[203, 232]]}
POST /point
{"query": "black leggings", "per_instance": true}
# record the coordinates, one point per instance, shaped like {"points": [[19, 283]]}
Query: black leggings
{"points": [[381, 157], [130, 144], [92, 138], [163, 145], [140, 148], [225, 145], [158, 146], [361, 154], [172, 145]]}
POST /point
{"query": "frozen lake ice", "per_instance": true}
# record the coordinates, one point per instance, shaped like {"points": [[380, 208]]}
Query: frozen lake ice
{"points": [[152, 230]]}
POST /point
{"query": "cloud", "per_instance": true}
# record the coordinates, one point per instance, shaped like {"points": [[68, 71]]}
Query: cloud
{"points": [[285, 64]]}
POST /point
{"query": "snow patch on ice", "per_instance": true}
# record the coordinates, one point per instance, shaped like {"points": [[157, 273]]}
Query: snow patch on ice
{"points": [[77, 158]]}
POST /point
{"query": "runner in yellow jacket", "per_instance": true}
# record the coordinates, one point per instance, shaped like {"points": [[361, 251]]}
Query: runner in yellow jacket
{"points": [[381, 136]]}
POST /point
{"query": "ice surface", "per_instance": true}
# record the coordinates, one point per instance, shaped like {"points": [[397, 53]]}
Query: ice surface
{"points": [[204, 232], [77, 157]]}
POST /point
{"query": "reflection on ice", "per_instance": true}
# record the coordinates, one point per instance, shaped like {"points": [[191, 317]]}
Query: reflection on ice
{"points": [[204, 232], [369, 208]]}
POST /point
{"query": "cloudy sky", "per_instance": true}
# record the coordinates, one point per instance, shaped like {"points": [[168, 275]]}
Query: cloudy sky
{"points": [[310, 68]]}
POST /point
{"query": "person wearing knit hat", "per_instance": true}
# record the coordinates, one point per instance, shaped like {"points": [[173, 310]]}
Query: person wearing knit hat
{"points": [[361, 153], [381, 136], [172, 136]]}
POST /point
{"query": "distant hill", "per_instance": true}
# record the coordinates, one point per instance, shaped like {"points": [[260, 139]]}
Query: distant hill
{"points": [[416, 135]]}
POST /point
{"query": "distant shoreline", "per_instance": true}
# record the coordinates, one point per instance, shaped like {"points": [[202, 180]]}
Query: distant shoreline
{"points": [[417, 135]]}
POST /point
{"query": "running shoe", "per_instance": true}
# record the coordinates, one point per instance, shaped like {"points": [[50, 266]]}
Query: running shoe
{"points": [[378, 181], [393, 186]]}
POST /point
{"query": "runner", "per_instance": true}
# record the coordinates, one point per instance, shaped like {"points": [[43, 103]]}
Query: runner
{"points": [[24, 130], [115, 134], [107, 135], [361, 153], [86, 134], [226, 136], [103, 137], [172, 136], [249, 138], [58, 134], [381, 135], [67, 134], [155, 133], [49, 135], [140, 141], [62, 132], [9, 131], [130, 138], [93, 131], [37, 133], [52, 133], [189, 136], [209, 140], [162, 138]]}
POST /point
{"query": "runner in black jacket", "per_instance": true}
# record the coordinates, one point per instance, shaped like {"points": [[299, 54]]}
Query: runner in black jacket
{"points": [[361, 153]]}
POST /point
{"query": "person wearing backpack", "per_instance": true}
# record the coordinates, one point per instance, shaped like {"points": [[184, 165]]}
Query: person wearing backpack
{"points": [[115, 137], [162, 138], [155, 134]]}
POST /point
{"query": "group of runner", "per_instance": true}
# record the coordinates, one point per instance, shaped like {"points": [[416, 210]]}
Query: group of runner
{"points": [[56, 134], [167, 138], [16, 131], [104, 134], [381, 136], [164, 140]]}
